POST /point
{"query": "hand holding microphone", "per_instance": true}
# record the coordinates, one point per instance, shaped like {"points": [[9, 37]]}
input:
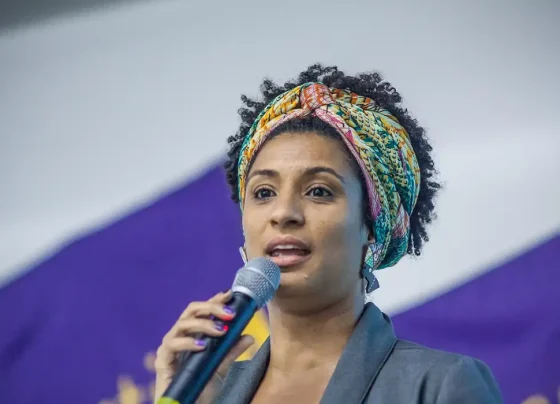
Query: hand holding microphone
{"points": [[196, 319], [196, 353]]}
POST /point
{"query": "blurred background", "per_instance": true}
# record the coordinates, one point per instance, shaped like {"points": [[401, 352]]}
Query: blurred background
{"points": [[114, 211]]}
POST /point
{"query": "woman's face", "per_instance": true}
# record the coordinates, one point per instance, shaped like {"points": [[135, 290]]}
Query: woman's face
{"points": [[303, 210]]}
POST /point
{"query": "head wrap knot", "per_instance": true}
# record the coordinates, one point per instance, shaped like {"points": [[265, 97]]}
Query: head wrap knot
{"points": [[376, 140]]}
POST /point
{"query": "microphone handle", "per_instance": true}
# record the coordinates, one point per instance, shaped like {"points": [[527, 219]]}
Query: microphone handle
{"points": [[197, 368]]}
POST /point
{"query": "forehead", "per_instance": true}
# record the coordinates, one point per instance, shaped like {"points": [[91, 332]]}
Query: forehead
{"points": [[302, 149]]}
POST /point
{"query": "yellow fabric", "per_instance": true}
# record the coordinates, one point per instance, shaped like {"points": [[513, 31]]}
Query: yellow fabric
{"points": [[258, 329]]}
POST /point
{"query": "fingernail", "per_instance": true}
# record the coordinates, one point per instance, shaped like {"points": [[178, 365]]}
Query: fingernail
{"points": [[219, 326], [229, 310], [200, 342]]}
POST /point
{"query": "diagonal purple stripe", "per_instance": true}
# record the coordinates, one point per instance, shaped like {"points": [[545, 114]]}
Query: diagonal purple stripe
{"points": [[92, 311], [509, 317]]}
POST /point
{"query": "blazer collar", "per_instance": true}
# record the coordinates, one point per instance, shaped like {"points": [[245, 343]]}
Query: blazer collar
{"points": [[367, 350], [245, 377]]}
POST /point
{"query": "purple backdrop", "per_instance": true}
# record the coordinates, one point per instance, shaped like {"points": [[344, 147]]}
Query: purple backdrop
{"points": [[90, 313]]}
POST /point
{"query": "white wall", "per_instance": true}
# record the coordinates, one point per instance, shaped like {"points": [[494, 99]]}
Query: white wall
{"points": [[104, 110]]}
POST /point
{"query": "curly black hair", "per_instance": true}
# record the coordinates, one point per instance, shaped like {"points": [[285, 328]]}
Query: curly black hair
{"points": [[371, 85]]}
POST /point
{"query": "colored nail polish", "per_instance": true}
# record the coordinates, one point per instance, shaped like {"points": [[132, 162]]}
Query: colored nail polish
{"points": [[200, 342], [219, 326], [229, 310]]}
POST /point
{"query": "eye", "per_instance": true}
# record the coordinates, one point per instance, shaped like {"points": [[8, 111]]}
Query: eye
{"points": [[263, 193], [319, 192]]}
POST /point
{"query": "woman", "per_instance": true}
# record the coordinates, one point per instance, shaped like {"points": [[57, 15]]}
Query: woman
{"points": [[335, 181]]}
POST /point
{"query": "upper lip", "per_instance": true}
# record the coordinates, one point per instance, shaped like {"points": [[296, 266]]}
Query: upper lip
{"points": [[286, 240]]}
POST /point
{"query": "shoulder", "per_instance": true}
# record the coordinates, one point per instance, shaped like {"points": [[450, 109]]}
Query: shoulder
{"points": [[433, 359], [449, 377], [425, 357]]}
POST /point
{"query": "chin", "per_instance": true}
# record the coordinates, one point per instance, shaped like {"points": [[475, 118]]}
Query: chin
{"points": [[294, 284]]}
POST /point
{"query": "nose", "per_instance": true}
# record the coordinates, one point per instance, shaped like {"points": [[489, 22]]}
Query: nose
{"points": [[287, 211]]}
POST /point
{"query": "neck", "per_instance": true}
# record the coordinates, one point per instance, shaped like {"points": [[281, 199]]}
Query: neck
{"points": [[313, 339]]}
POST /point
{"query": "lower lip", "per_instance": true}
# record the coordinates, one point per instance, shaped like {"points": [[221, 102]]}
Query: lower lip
{"points": [[284, 261]]}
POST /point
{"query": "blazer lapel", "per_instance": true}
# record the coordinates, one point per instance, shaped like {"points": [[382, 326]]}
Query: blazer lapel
{"points": [[243, 386], [368, 348]]}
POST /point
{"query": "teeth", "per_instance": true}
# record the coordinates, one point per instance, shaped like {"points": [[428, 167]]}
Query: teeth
{"points": [[288, 250]]}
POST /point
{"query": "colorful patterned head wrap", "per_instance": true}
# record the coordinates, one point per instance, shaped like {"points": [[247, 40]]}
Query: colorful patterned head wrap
{"points": [[376, 140]]}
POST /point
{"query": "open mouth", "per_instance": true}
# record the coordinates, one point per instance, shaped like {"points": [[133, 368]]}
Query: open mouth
{"points": [[286, 254], [287, 251]]}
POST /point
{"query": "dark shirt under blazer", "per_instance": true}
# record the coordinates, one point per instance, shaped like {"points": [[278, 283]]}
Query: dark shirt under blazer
{"points": [[377, 368]]}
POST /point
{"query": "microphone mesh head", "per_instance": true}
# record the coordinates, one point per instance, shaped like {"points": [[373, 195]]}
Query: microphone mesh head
{"points": [[259, 278]]}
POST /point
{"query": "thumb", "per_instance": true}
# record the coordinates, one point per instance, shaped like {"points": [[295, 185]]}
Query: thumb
{"points": [[242, 345]]}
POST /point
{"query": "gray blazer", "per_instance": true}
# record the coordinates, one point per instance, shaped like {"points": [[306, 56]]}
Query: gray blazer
{"points": [[377, 368]]}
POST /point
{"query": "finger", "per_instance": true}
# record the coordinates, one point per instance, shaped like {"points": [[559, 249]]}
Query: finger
{"points": [[181, 344], [190, 325], [221, 297], [208, 309], [245, 342], [171, 345], [166, 354], [213, 328], [242, 345], [202, 309], [164, 358]]}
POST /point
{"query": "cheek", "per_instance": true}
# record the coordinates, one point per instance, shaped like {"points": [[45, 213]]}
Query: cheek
{"points": [[342, 243], [252, 231], [340, 234]]}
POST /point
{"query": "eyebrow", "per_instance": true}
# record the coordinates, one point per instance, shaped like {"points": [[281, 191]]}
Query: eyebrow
{"points": [[309, 171]]}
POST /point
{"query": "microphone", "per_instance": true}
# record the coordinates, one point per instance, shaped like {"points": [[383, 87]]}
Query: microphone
{"points": [[253, 286]]}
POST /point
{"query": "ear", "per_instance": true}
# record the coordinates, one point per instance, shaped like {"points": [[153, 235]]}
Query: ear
{"points": [[367, 235]]}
